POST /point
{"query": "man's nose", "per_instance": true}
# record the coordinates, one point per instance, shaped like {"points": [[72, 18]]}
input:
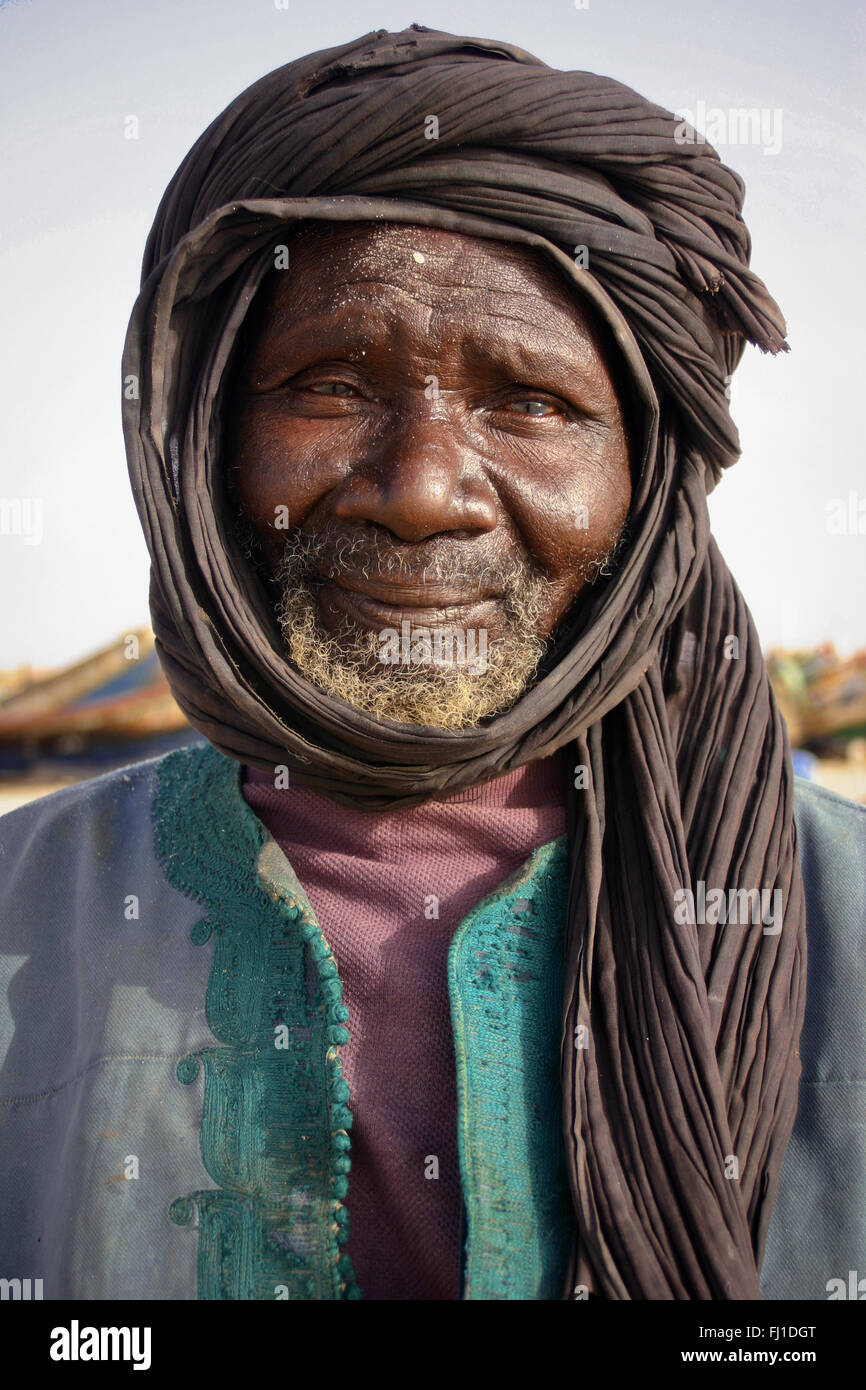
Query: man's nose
{"points": [[423, 478]]}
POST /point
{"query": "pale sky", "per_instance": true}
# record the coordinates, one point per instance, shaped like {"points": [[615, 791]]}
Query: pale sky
{"points": [[78, 199]]}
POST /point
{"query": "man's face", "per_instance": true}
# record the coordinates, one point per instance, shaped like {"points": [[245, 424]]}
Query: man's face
{"points": [[426, 438]]}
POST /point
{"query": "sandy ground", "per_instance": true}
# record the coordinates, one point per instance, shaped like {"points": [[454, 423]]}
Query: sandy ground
{"points": [[845, 778], [14, 794], [848, 779]]}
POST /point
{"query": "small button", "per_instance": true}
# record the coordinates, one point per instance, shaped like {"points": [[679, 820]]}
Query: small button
{"points": [[187, 1069], [200, 933]]}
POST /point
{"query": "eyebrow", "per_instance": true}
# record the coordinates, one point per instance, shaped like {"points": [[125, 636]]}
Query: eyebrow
{"points": [[355, 328]]}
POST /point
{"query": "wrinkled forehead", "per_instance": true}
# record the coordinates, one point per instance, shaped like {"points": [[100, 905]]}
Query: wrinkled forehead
{"points": [[333, 257], [450, 281]]}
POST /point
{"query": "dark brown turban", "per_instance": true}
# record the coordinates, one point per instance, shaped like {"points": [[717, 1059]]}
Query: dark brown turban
{"points": [[677, 1114]]}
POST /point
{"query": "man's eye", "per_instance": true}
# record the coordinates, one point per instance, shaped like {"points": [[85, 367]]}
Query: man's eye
{"points": [[331, 388], [531, 405]]}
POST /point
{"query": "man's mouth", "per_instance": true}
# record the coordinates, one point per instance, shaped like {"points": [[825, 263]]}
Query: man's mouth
{"points": [[419, 639], [375, 604]]}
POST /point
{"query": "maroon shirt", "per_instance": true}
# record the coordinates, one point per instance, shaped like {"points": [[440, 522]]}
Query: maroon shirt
{"points": [[375, 882]]}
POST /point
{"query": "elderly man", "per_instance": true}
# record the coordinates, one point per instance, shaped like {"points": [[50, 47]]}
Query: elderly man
{"points": [[467, 959]]}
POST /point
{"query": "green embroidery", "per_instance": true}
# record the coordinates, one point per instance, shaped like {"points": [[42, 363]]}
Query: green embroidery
{"points": [[275, 1125], [505, 983], [275, 1121]]}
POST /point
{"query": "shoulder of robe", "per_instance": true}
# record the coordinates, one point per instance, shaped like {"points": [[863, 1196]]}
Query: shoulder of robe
{"points": [[63, 854], [78, 820], [831, 843], [817, 1230], [827, 813]]}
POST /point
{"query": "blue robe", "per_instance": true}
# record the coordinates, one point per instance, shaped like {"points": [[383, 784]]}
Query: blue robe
{"points": [[173, 1119]]}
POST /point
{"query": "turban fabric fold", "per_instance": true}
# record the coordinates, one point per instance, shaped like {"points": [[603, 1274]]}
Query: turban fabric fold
{"points": [[679, 1099]]}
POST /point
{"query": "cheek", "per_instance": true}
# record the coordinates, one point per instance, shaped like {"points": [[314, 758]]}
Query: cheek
{"points": [[575, 508], [283, 469]]}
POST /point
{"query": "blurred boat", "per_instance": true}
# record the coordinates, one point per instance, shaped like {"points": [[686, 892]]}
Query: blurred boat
{"points": [[114, 706], [822, 697]]}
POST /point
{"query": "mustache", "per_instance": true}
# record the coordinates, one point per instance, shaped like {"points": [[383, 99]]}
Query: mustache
{"points": [[370, 553]]}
